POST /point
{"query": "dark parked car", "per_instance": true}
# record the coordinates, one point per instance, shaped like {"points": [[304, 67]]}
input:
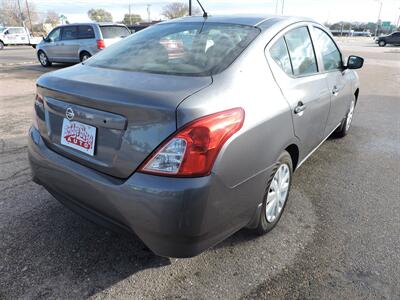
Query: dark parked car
{"points": [[391, 39], [190, 130]]}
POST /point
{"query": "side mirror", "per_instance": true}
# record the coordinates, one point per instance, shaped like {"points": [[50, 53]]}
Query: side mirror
{"points": [[355, 62]]}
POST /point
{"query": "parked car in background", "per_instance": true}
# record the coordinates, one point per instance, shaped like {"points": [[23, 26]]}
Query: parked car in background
{"points": [[362, 33], [17, 36], [391, 39], [140, 26], [185, 147], [77, 42]]}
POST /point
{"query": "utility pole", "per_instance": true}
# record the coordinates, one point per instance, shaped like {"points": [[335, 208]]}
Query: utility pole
{"points": [[283, 6], [190, 7], [20, 13], [398, 21], [276, 7], [379, 18], [148, 12], [29, 15], [130, 15]]}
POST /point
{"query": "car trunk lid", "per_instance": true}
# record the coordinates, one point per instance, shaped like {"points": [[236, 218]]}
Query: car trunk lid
{"points": [[132, 112]]}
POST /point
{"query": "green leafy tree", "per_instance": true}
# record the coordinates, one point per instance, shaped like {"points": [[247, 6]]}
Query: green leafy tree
{"points": [[99, 15], [131, 19]]}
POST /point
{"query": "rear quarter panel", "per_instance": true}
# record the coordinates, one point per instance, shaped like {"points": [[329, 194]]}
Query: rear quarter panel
{"points": [[246, 161]]}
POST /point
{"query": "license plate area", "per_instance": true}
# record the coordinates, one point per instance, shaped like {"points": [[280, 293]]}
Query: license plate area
{"points": [[79, 136]]}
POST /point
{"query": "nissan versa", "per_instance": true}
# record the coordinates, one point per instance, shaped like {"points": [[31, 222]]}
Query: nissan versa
{"points": [[191, 129]]}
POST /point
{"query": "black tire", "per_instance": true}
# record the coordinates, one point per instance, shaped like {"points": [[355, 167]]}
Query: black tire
{"points": [[382, 43], [264, 225], [344, 127], [1, 45], [43, 59], [84, 56]]}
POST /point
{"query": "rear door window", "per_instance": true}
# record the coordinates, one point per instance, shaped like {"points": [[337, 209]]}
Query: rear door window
{"points": [[330, 54], [85, 32], [69, 33], [112, 31], [301, 52], [280, 55]]}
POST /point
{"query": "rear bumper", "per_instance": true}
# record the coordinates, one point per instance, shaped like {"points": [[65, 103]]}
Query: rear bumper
{"points": [[173, 217]]}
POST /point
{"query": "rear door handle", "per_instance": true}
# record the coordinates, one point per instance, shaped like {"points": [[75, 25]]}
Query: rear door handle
{"points": [[299, 108]]}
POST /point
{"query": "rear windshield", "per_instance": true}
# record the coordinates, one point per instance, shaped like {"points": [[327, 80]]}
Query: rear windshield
{"points": [[197, 49], [114, 31]]}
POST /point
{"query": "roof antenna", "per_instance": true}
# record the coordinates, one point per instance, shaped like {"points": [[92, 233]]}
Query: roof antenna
{"points": [[205, 15]]}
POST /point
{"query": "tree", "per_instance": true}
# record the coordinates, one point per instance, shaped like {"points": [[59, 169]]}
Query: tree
{"points": [[10, 15], [52, 18], [177, 10], [99, 15], [131, 19]]}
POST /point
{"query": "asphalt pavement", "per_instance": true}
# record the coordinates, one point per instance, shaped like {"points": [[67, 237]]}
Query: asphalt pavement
{"points": [[338, 239]]}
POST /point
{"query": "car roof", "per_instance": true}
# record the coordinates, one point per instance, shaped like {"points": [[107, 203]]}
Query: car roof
{"points": [[92, 23], [249, 20]]}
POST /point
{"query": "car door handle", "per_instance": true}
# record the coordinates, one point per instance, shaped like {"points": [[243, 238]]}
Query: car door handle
{"points": [[335, 90], [299, 108]]}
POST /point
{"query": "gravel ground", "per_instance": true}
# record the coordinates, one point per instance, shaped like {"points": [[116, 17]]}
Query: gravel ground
{"points": [[339, 237]]}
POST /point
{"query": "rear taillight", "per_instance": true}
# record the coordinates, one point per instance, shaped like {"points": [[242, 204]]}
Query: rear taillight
{"points": [[100, 44], [192, 151]]}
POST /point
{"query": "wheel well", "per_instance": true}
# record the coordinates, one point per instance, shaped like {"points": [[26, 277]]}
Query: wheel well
{"points": [[83, 51], [294, 154]]}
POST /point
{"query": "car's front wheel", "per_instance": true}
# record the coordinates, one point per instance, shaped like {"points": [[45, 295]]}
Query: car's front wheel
{"points": [[382, 43], [1, 45], [276, 194], [43, 59]]}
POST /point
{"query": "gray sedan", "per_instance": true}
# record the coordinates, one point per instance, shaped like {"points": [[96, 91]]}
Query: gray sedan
{"points": [[190, 130]]}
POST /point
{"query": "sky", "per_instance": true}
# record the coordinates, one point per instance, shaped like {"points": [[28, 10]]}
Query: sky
{"points": [[321, 10]]}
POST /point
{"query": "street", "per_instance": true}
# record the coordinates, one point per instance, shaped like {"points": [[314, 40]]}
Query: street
{"points": [[338, 239]]}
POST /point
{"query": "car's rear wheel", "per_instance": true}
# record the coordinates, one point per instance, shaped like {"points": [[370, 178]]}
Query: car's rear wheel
{"points": [[344, 127], [382, 43], [84, 56], [43, 59], [1, 45], [276, 194]]}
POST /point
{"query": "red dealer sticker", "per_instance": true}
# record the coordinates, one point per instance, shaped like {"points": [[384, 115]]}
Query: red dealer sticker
{"points": [[79, 136]]}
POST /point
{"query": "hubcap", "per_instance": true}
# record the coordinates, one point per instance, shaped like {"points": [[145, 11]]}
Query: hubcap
{"points": [[42, 58], [350, 115], [85, 57], [277, 193]]}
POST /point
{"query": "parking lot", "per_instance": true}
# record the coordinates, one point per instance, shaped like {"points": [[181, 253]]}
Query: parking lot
{"points": [[339, 238]]}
